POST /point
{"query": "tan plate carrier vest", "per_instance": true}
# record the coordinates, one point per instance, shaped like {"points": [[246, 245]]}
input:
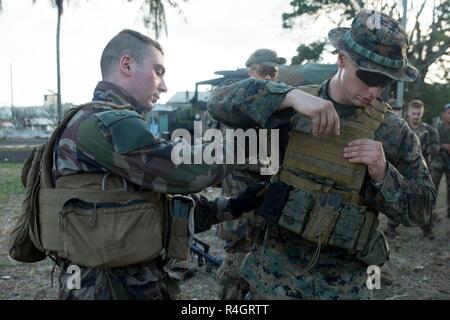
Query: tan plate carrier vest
{"points": [[99, 219], [317, 170]]}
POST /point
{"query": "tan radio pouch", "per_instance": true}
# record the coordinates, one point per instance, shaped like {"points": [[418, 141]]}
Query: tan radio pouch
{"points": [[181, 226]]}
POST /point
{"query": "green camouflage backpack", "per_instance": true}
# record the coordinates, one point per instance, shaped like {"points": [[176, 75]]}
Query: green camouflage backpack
{"points": [[24, 243]]}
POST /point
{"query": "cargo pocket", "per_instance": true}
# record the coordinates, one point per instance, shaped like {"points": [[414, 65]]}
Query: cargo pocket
{"points": [[376, 251], [295, 213], [181, 215], [348, 226], [320, 225], [111, 234]]}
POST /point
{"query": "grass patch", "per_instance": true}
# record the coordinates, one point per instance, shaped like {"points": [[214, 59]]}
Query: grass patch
{"points": [[10, 180]]}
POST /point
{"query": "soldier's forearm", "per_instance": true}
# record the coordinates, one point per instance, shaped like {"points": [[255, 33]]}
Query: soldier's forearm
{"points": [[250, 103], [407, 201]]}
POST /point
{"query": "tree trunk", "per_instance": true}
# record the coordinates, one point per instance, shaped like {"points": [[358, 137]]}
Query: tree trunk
{"points": [[59, 5]]}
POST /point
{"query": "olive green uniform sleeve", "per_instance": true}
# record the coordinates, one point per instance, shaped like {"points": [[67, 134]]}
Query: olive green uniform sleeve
{"points": [[121, 144], [434, 146], [407, 193], [210, 212], [250, 103]]}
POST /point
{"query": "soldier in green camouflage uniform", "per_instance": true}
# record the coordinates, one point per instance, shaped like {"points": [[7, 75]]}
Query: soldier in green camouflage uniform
{"points": [[429, 142], [132, 68], [397, 180], [238, 234], [440, 163]]}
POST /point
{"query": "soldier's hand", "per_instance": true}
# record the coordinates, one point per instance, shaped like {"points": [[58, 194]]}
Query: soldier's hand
{"points": [[370, 153], [322, 113], [248, 199]]}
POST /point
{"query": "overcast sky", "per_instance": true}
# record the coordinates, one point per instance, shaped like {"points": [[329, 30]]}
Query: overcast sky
{"points": [[218, 35]]}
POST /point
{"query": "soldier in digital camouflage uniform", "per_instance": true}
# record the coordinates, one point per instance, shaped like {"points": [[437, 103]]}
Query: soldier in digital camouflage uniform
{"points": [[372, 53], [238, 234], [110, 137], [440, 163], [429, 142]]}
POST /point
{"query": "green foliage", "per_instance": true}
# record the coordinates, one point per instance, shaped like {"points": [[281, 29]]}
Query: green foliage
{"points": [[314, 7], [154, 14], [10, 180], [430, 45], [309, 53], [434, 97]]}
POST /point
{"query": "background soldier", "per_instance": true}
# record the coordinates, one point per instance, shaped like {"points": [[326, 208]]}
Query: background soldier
{"points": [[440, 163], [106, 153], [316, 192], [429, 142], [395, 107], [238, 234]]}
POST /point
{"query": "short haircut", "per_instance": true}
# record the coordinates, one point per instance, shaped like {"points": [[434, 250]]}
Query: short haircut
{"points": [[416, 104], [129, 42]]}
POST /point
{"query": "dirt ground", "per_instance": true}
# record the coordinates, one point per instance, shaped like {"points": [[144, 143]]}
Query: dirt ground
{"points": [[418, 267]]}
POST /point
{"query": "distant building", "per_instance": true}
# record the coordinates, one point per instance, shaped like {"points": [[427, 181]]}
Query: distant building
{"points": [[41, 124], [6, 124], [50, 100]]}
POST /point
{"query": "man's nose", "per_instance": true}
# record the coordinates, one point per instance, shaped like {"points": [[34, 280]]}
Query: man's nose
{"points": [[162, 86], [375, 92]]}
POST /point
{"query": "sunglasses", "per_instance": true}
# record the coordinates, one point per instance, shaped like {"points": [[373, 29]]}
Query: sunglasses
{"points": [[266, 71], [374, 79]]}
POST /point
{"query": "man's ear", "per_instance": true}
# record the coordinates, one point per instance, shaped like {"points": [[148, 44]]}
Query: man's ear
{"points": [[125, 63]]}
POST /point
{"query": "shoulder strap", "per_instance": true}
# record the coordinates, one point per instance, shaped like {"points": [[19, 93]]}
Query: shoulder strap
{"points": [[47, 157], [373, 115]]}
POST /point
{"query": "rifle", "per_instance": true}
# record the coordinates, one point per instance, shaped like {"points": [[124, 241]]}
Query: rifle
{"points": [[201, 250]]}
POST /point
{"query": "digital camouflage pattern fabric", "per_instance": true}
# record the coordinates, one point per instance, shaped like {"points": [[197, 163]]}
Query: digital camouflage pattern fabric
{"points": [[440, 163], [376, 43], [274, 266], [238, 234], [132, 153], [429, 141]]}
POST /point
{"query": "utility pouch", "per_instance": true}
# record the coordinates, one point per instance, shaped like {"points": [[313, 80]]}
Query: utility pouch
{"points": [[274, 201], [320, 225], [348, 227], [376, 252], [111, 234], [181, 226], [295, 213]]}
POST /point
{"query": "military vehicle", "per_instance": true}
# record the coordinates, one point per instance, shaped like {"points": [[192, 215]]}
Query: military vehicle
{"points": [[185, 107]]}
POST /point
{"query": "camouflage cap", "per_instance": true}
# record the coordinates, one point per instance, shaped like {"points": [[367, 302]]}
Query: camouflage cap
{"points": [[265, 57], [376, 43]]}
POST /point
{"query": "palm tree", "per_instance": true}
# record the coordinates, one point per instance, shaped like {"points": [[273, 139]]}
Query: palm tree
{"points": [[154, 18], [155, 15]]}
